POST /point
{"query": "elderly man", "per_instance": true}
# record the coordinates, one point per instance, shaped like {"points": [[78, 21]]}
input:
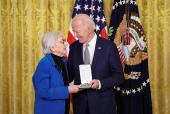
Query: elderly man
{"points": [[105, 65]]}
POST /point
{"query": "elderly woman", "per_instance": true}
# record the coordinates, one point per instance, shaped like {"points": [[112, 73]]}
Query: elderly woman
{"points": [[50, 79]]}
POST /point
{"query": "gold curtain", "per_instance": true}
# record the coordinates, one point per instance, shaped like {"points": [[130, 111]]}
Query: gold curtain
{"points": [[24, 22]]}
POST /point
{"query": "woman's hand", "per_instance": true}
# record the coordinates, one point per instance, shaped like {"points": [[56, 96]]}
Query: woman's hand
{"points": [[73, 88]]}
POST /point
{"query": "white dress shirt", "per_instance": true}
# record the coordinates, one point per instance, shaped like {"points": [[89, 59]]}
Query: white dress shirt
{"points": [[91, 48]]}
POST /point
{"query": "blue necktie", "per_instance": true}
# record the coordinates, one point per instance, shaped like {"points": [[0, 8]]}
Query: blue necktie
{"points": [[86, 55]]}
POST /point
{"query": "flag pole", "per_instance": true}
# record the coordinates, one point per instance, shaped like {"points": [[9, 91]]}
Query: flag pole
{"points": [[126, 37], [92, 9]]}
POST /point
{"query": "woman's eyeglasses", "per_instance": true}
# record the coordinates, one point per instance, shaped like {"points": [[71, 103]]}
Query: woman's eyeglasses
{"points": [[62, 42]]}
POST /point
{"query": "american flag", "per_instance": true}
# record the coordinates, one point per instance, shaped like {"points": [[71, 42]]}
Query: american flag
{"points": [[93, 8]]}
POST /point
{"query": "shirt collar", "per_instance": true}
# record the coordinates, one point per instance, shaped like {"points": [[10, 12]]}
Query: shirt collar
{"points": [[93, 41], [52, 60]]}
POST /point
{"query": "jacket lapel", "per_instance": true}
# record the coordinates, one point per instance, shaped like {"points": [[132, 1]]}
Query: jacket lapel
{"points": [[97, 51], [59, 76], [80, 53], [65, 62]]}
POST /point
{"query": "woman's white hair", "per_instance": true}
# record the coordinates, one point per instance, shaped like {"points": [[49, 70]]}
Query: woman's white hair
{"points": [[49, 40]]}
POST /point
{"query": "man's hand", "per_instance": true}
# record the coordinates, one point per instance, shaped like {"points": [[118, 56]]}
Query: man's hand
{"points": [[73, 88], [95, 84]]}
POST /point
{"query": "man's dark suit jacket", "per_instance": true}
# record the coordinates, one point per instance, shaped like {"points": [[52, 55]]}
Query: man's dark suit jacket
{"points": [[106, 67]]}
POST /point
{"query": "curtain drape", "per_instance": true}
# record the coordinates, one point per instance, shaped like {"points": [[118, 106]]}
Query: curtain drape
{"points": [[24, 22]]}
